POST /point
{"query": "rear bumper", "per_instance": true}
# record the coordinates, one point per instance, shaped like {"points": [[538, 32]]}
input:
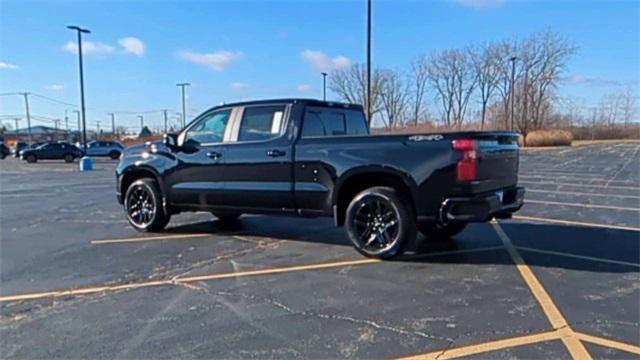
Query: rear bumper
{"points": [[483, 207]]}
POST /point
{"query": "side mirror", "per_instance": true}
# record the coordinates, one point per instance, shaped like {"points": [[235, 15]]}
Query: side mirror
{"points": [[170, 141]]}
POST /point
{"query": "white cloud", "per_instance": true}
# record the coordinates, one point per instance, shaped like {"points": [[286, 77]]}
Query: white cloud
{"points": [[304, 88], [89, 47], [132, 45], [239, 85], [54, 87], [323, 62], [216, 60], [578, 79], [8, 66], [480, 3]]}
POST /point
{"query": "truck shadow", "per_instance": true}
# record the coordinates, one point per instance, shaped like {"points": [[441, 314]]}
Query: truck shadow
{"points": [[559, 246]]}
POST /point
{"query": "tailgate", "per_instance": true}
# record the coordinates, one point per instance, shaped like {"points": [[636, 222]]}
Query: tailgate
{"points": [[497, 161]]}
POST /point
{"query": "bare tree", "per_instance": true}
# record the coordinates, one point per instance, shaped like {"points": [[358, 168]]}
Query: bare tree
{"points": [[351, 86], [628, 107], [452, 76], [487, 71], [394, 97], [418, 80]]}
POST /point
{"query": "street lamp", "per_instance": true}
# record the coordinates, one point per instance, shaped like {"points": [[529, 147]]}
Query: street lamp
{"points": [[369, 61], [324, 86], [184, 113], [81, 31], [141, 118], [513, 75]]}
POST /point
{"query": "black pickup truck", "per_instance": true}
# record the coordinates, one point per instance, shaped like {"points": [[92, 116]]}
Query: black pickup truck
{"points": [[315, 158]]}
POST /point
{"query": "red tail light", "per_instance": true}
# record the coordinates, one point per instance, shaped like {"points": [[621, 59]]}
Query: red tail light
{"points": [[467, 166]]}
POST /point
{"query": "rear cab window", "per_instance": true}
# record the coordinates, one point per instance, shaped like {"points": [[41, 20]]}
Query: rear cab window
{"points": [[327, 121]]}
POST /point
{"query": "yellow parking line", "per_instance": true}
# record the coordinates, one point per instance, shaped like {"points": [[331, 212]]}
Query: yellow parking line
{"points": [[581, 185], [614, 344], [579, 223], [218, 276], [493, 345], [149, 238], [595, 206], [582, 257], [568, 337], [582, 193]]}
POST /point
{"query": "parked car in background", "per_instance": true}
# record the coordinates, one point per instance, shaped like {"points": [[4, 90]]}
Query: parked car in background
{"points": [[51, 151], [317, 158], [4, 150], [20, 145], [112, 149]]}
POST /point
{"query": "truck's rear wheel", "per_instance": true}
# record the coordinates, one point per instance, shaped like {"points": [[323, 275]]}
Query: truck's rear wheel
{"points": [[379, 223], [436, 231], [143, 206]]}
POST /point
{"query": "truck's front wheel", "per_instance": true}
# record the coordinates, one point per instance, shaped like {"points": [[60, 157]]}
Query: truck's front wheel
{"points": [[143, 206], [379, 223]]}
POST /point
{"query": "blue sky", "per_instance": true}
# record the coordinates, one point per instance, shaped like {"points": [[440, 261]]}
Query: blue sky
{"points": [[233, 50]]}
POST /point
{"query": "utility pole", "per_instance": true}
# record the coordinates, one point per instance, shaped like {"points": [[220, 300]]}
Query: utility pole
{"points": [[26, 107], [324, 86], [78, 115], [17, 120], [80, 31], [66, 120], [513, 76], [56, 122], [184, 111], [165, 120], [98, 131], [369, 61], [141, 122]]}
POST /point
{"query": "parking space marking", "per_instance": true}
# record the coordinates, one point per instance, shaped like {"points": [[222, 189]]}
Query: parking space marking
{"points": [[581, 185], [582, 257], [614, 344], [483, 347], [219, 276], [582, 193], [573, 178], [557, 320], [149, 238], [595, 206], [579, 223]]}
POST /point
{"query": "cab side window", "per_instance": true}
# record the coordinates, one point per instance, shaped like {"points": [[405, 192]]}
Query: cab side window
{"points": [[210, 129], [333, 122], [261, 123]]}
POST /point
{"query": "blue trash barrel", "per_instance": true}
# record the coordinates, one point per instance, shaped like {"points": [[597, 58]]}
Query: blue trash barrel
{"points": [[86, 164]]}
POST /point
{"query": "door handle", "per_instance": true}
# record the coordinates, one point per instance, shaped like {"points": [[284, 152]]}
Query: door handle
{"points": [[276, 153], [214, 154]]}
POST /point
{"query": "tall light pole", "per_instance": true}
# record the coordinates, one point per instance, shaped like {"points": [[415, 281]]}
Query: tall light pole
{"points": [[113, 123], [141, 118], [513, 76], [324, 86], [81, 31], [17, 120], [79, 124], [184, 111], [369, 61], [26, 108], [164, 112]]}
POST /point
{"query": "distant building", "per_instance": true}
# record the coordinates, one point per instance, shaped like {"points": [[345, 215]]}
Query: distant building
{"points": [[40, 133]]}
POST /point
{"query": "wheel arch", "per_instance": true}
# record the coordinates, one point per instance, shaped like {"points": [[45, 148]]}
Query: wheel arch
{"points": [[359, 179], [133, 173]]}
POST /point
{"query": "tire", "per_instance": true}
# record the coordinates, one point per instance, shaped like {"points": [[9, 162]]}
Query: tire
{"points": [[435, 231], [68, 158], [143, 206], [114, 155], [32, 159], [227, 218], [384, 211]]}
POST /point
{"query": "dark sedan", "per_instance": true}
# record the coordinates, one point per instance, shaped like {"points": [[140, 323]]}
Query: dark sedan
{"points": [[4, 151], [52, 151]]}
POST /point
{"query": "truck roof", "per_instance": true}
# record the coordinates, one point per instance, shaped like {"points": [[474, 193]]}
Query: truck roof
{"points": [[312, 102]]}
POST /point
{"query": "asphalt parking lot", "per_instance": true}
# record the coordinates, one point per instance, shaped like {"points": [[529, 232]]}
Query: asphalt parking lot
{"points": [[560, 280]]}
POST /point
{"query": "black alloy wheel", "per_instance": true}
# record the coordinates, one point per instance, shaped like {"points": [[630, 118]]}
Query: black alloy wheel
{"points": [[143, 206], [379, 223]]}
